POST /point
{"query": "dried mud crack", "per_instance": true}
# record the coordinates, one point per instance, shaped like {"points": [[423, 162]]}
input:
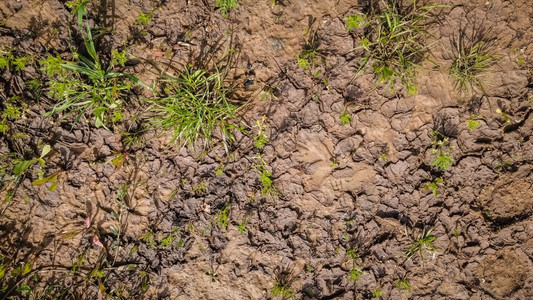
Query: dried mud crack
{"points": [[323, 175]]}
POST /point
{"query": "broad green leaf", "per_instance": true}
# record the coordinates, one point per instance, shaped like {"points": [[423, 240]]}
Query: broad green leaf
{"points": [[46, 150]]}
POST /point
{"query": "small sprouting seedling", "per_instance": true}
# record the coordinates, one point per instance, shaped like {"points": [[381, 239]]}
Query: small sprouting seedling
{"points": [[173, 236], [403, 284], [268, 93], [265, 177], [219, 171], [383, 157], [305, 58], [504, 115], [345, 118], [225, 6], [309, 268], [434, 186], [242, 228], [422, 243], [221, 219], [355, 21], [472, 123], [474, 55], [119, 159], [394, 41], [200, 189], [282, 285], [261, 139], [377, 293], [149, 238], [119, 57], [9, 61], [309, 56], [355, 272], [145, 280], [442, 152], [12, 112], [145, 18]]}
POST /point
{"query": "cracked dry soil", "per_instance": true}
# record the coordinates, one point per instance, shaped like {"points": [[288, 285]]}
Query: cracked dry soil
{"points": [[340, 187]]}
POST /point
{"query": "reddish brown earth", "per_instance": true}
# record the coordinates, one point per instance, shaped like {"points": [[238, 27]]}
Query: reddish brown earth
{"points": [[340, 187]]}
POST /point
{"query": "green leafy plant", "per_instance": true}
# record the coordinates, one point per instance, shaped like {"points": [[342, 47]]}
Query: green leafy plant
{"points": [[242, 228], [222, 218], [84, 86], [265, 177], [473, 56], [434, 186], [355, 21], [282, 284], [22, 166], [149, 238], [310, 57], [504, 115], [442, 151], [261, 139], [225, 6], [395, 41], [377, 293], [403, 284], [422, 243], [173, 236], [9, 61], [194, 107], [355, 272], [13, 111], [145, 18], [472, 123], [345, 118]]}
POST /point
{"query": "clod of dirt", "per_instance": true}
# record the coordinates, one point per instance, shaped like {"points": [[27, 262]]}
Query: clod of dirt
{"points": [[502, 273], [508, 199]]}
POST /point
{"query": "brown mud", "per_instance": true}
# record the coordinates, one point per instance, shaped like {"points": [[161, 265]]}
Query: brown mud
{"points": [[340, 187]]}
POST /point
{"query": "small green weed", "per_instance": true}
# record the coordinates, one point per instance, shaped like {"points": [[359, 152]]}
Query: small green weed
{"points": [[8, 61], [394, 41], [442, 152], [434, 186], [505, 117], [422, 243], [242, 228], [225, 6], [265, 177], [355, 21], [377, 293], [345, 118], [355, 272], [196, 105], [261, 139], [472, 123], [473, 56], [403, 284], [268, 94], [85, 86], [309, 57], [13, 111], [222, 218], [282, 285], [145, 18], [22, 166], [168, 240]]}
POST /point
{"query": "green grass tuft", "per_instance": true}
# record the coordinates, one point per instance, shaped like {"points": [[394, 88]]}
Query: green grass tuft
{"points": [[196, 105]]}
